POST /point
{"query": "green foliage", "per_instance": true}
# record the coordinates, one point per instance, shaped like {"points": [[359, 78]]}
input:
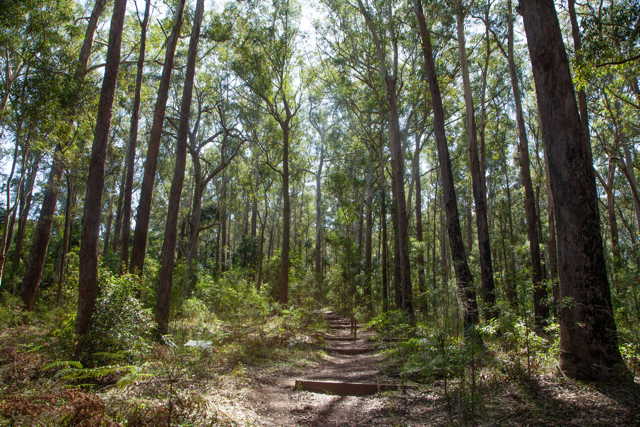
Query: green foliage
{"points": [[391, 324], [11, 313], [231, 295], [120, 322]]}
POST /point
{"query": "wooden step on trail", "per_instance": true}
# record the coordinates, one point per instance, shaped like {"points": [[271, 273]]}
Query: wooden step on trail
{"points": [[345, 326], [347, 388], [335, 338], [350, 351]]}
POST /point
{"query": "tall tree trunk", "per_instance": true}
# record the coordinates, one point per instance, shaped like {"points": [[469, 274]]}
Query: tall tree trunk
{"points": [[33, 273], [88, 277], [397, 282], [133, 141], [66, 236], [35, 267], [477, 180], [107, 226], [390, 81], [611, 213], [588, 336], [167, 258], [319, 226], [25, 207], [153, 148], [283, 280], [420, 263], [397, 186], [510, 260], [368, 244], [552, 249], [385, 247], [541, 309], [582, 96], [450, 203], [117, 227], [10, 211]]}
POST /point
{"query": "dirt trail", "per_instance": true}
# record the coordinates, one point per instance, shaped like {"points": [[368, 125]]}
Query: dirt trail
{"points": [[280, 404]]}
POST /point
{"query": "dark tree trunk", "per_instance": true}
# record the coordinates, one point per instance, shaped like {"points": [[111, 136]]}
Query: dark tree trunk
{"points": [[385, 248], [420, 263], [88, 279], [25, 207], [397, 186], [588, 336], [477, 179], [390, 81], [319, 226], [153, 147], [33, 274], [368, 244], [283, 279], [66, 236], [510, 260], [40, 243], [167, 258], [582, 96], [450, 203], [397, 283], [117, 226], [107, 226], [611, 214], [541, 309], [10, 211], [133, 141]]}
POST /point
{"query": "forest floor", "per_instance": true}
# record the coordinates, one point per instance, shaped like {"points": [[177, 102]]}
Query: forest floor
{"points": [[526, 400], [212, 388]]}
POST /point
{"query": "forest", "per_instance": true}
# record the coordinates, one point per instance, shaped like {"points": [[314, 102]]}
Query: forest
{"points": [[331, 212]]}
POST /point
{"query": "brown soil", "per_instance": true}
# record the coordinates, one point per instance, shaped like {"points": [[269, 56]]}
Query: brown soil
{"points": [[541, 400], [279, 404]]}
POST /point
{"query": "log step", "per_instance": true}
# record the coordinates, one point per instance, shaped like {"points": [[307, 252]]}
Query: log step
{"points": [[334, 338], [350, 351], [347, 389], [345, 326]]}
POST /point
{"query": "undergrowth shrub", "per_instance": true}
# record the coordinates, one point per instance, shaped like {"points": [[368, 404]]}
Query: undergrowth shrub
{"points": [[392, 324], [232, 295], [122, 326]]}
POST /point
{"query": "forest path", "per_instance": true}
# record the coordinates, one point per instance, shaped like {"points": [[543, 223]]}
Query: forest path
{"points": [[280, 402]]}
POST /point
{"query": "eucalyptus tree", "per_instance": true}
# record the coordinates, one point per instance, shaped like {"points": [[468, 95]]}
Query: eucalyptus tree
{"points": [[588, 335], [215, 124], [532, 220], [153, 146], [88, 278], [450, 203], [123, 239], [266, 61], [477, 172], [367, 49], [33, 275], [167, 257]]}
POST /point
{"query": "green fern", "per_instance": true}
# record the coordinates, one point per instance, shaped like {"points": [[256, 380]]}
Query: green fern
{"points": [[60, 364], [95, 375]]}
